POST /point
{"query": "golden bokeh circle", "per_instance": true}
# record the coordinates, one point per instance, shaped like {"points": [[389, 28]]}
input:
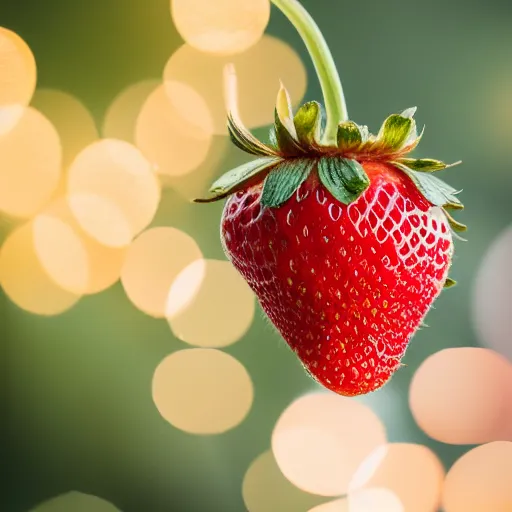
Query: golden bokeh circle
{"points": [[112, 191], [321, 439], [30, 163], [18, 70], [202, 391], [196, 184], [24, 279], [265, 488], [222, 27], [75, 502], [259, 72], [74, 123], [61, 253], [121, 117], [451, 405], [74, 260], [152, 263], [210, 304], [480, 480], [174, 145]]}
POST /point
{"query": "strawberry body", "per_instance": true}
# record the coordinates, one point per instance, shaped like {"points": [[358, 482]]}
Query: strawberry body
{"points": [[346, 285]]}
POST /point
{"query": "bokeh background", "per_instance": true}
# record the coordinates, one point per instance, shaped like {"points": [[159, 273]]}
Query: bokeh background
{"points": [[138, 373]]}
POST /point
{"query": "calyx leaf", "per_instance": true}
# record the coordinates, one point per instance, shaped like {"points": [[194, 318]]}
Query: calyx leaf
{"points": [[449, 283], [437, 192], [284, 179], [455, 225], [239, 177], [409, 112], [245, 140], [345, 179], [286, 134], [395, 131], [423, 164], [349, 136], [308, 124]]}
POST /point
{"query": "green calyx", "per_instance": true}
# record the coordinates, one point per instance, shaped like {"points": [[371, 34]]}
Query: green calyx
{"points": [[296, 150]]}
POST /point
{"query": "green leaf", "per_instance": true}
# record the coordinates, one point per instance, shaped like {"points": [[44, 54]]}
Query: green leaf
{"points": [[282, 181], [449, 283], [237, 178], [423, 164], [308, 124], [395, 132], [286, 133], [349, 136], [245, 140], [345, 179], [455, 225], [437, 192], [272, 138]]}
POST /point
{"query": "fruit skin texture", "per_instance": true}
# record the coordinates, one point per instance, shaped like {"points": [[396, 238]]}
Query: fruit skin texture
{"points": [[346, 285]]}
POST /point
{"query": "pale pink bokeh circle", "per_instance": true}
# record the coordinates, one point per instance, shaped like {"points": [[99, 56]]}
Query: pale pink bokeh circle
{"points": [[481, 480], [463, 396], [413, 472], [320, 440], [492, 296]]}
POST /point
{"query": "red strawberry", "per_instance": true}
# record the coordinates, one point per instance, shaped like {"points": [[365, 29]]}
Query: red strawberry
{"points": [[346, 286], [345, 244]]}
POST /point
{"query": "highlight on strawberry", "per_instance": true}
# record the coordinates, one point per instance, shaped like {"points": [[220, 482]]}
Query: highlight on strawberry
{"points": [[344, 237]]}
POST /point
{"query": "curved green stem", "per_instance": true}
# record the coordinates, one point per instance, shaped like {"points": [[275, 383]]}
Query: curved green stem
{"points": [[335, 106]]}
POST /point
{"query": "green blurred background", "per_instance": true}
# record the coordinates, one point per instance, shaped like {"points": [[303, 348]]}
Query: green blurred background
{"points": [[78, 411]]}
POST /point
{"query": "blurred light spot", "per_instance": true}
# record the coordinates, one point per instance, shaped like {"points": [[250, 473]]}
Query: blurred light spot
{"points": [[368, 500], [496, 111], [210, 304], [321, 439], [121, 116], [24, 279], [175, 146], [9, 117], [61, 253], [333, 506], [492, 296], [185, 288], [414, 474], [75, 261], [74, 123], [75, 502], [368, 467], [152, 263], [461, 395], [30, 163], [265, 488], [100, 218], [196, 184], [375, 500], [190, 106], [259, 71], [113, 191], [18, 70], [222, 27], [202, 391], [481, 480]]}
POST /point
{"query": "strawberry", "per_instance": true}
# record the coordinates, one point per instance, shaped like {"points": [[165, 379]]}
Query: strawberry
{"points": [[346, 244]]}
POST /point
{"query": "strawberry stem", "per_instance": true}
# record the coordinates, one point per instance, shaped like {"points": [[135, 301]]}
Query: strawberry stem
{"points": [[334, 99]]}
